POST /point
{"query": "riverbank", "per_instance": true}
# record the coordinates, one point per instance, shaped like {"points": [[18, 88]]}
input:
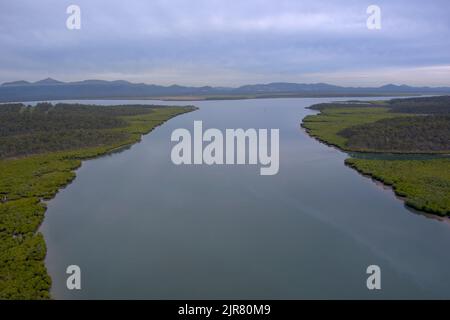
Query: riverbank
{"points": [[26, 181], [424, 184]]}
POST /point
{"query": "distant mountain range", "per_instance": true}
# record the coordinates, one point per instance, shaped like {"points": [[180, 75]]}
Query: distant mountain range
{"points": [[51, 89]]}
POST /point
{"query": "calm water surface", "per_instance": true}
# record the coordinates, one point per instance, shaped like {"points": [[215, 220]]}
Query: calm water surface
{"points": [[141, 227]]}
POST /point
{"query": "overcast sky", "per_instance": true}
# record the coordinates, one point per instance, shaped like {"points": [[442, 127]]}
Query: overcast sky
{"points": [[227, 42]]}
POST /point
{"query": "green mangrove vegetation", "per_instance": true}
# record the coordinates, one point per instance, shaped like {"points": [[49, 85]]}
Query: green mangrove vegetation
{"points": [[403, 126], [425, 184], [40, 148]]}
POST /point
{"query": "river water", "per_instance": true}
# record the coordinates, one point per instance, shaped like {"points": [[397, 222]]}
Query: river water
{"points": [[139, 226]]}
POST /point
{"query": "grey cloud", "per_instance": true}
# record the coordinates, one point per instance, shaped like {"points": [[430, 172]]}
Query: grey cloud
{"points": [[245, 41]]}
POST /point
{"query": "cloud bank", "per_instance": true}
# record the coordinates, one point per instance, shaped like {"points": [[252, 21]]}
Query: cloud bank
{"points": [[218, 42]]}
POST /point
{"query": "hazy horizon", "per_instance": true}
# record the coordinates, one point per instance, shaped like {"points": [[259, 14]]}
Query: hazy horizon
{"points": [[223, 43], [208, 85]]}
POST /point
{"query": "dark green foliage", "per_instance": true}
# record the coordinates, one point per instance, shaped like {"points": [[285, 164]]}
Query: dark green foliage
{"points": [[402, 134], [46, 141], [46, 127], [422, 105]]}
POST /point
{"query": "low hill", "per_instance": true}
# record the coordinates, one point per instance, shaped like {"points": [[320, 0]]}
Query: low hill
{"points": [[51, 89]]}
